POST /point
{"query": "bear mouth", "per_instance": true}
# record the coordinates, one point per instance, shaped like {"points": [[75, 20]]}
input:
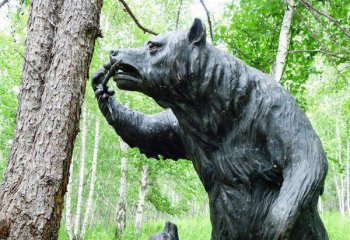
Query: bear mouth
{"points": [[128, 78]]}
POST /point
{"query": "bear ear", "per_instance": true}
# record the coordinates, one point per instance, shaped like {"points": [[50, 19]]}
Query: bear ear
{"points": [[197, 33]]}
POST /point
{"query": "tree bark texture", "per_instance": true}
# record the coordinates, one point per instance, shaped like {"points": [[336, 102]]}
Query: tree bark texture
{"points": [[283, 41], [59, 46], [141, 201]]}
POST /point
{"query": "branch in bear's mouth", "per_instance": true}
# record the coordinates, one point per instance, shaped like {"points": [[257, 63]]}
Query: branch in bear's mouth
{"points": [[110, 73]]}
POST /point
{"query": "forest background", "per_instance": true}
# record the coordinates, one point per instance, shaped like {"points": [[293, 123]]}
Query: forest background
{"points": [[114, 190]]}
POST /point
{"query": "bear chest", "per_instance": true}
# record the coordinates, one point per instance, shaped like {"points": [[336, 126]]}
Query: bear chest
{"points": [[229, 166]]}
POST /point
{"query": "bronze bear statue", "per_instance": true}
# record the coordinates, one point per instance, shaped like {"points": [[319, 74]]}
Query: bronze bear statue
{"points": [[255, 151]]}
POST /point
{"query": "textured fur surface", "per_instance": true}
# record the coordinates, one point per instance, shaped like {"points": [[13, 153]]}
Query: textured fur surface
{"points": [[253, 148]]}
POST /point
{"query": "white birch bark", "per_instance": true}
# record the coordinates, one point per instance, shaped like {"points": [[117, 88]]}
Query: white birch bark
{"points": [[121, 206], [337, 189], [320, 205], [81, 176], [283, 41], [341, 183], [69, 202], [141, 201], [93, 179]]}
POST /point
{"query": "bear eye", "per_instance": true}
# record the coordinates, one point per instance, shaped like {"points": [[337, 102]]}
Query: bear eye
{"points": [[152, 46]]}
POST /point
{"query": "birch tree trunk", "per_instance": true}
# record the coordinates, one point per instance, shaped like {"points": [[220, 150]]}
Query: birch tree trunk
{"points": [[93, 179], [320, 205], [337, 188], [141, 201], [81, 176], [121, 206], [60, 41], [283, 41], [341, 183], [69, 202]]}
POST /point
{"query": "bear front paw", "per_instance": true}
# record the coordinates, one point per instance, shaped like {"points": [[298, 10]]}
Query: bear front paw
{"points": [[101, 92]]}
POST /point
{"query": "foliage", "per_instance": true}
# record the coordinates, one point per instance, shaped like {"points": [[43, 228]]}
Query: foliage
{"points": [[251, 32]]}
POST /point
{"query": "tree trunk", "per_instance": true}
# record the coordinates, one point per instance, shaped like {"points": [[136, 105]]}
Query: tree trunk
{"points": [[283, 41], [92, 183], [338, 190], [141, 201], [69, 202], [121, 207], [320, 205], [59, 46], [81, 176], [341, 184]]}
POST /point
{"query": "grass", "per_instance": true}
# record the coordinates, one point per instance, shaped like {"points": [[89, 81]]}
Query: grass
{"points": [[338, 227], [199, 228]]}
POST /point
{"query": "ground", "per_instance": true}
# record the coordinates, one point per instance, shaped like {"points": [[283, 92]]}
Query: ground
{"points": [[199, 228]]}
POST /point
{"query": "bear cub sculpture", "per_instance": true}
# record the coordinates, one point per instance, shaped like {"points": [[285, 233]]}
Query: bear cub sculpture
{"points": [[254, 150]]}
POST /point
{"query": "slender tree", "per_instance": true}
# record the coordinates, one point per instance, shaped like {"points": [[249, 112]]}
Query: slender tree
{"points": [[81, 176], [69, 202], [92, 183], [121, 206], [283, 41], [141, 200], [340, 182], [59, 46]]}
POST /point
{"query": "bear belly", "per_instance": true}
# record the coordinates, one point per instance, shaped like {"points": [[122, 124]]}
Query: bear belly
{"points": [[237, 211], [239, 197]]}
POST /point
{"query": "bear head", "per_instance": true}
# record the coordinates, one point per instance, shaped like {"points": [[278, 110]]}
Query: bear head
{"points": [[166, 67]]}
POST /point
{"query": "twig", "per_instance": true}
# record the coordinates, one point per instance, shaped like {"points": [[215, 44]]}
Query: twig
{"points": [[87, 177], [3, 3], [209, 20], [178, 15], [110, 74], [319, 51], [326, 16], [311, 11], [246, 56], [314, 35], [135, 19]]}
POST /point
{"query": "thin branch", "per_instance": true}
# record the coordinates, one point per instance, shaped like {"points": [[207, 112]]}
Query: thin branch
{"points": [[3, 3], [178, 15], [311, 11], [246, 56], [319, 51], [314, 35], [128, 10], [326, 16], [209, 20]]}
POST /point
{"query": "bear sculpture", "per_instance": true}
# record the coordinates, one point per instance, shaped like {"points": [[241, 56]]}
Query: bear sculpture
{"points": [[254, 150]]}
